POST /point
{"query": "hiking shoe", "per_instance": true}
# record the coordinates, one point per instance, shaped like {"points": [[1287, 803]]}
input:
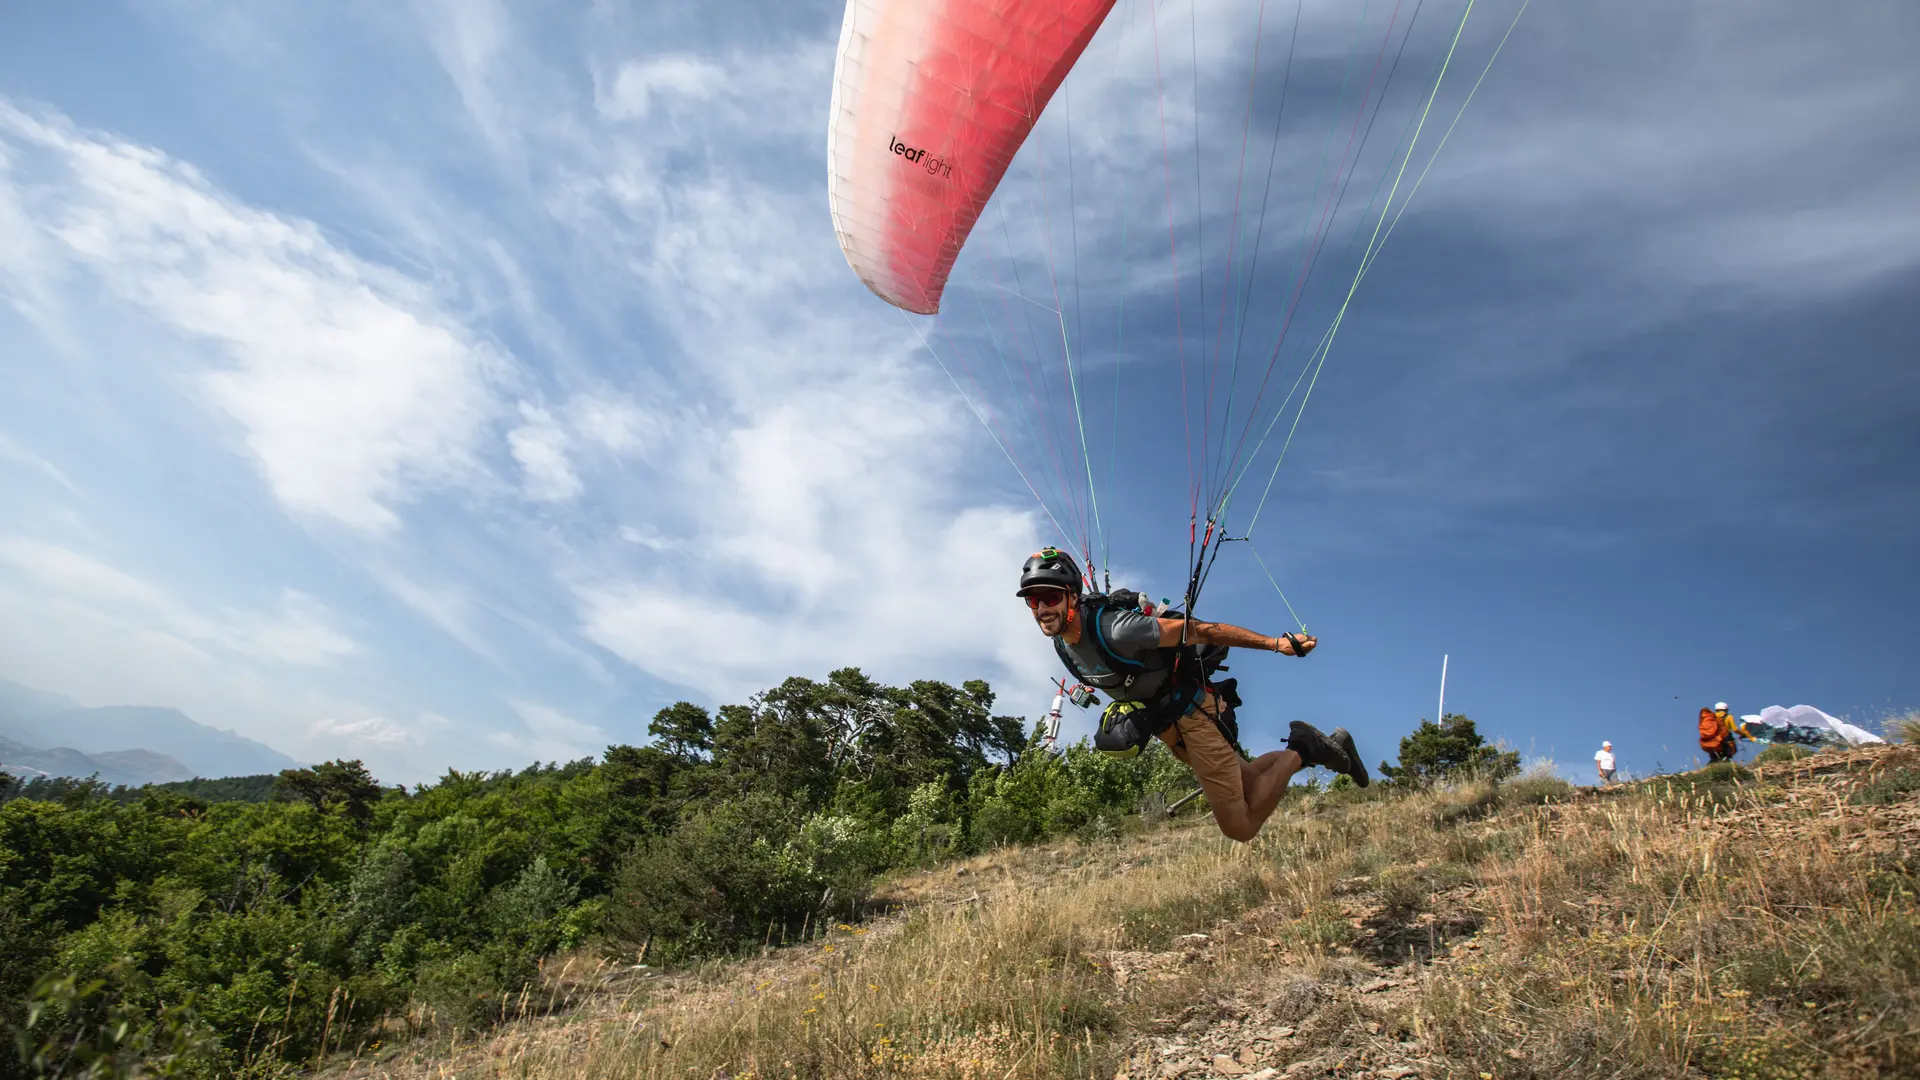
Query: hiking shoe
{"points": [[1344, 741], [1315, 748]]}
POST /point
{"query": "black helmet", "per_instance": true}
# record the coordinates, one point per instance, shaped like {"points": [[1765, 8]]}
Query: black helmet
{"points": [[1049, 569]]}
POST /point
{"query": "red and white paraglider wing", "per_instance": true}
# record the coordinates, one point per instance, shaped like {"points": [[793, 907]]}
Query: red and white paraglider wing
{"points": [[931, 99]]}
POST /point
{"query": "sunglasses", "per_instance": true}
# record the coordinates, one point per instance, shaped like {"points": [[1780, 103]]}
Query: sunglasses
{"points": [[1046, 598]]}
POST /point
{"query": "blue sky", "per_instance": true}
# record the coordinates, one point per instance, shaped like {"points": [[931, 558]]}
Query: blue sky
{"points": [[457, 384]]}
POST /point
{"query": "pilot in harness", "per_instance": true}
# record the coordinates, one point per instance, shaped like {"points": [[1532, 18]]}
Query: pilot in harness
{"points": [[1158, 669]]}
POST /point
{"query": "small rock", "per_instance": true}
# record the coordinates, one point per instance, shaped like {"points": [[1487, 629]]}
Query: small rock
{"points": [[1226, 1066], [1249, 1055], [1195, 939], [1264, 1074], [1173, 1070], [1396, 1072], [1280, 1033]]}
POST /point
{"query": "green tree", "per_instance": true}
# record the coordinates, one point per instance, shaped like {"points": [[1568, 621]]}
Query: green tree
{"points": [[684, 730], [344, 784], [1449, 749], [645, 788], [776, 745]]}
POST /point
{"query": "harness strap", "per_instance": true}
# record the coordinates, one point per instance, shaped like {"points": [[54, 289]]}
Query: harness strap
{"points": [[1106, 650]]}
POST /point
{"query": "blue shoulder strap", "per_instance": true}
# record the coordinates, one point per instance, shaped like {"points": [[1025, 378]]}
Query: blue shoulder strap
{"points": [[1113, 659]]}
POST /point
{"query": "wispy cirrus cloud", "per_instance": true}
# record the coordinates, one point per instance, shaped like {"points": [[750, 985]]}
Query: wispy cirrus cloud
{"points": [[297, 629], [347, 386]]}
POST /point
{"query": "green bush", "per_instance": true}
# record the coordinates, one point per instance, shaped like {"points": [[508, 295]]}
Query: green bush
{"points": [[88, 1028], [1774, 755]]}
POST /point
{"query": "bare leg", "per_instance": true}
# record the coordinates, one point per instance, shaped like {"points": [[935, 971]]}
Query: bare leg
{"points": [[1265, 780]]}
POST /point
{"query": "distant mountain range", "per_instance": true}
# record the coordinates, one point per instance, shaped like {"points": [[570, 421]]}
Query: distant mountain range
{"points": [[124, 744], [130, 767]]}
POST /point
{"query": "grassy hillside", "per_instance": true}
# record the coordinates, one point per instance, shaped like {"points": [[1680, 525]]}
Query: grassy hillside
{"points": [[1728, 923]]}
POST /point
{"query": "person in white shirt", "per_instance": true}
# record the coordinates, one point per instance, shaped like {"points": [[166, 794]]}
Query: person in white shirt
{"points": [[1603, 760]]}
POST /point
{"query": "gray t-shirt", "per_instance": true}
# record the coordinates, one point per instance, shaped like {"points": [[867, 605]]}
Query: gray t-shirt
{"points": [[1129, 634]]}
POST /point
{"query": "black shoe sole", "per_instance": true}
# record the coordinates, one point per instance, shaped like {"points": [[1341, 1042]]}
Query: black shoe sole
{"points": [[1344, 741], [1308, 741]]}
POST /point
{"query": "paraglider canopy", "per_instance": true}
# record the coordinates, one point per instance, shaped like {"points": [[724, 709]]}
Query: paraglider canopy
{"points": [[930, 103], [1775, 716]]}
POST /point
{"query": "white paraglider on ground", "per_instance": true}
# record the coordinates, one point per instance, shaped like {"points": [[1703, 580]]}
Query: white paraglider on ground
{"points": [[1778, 717]]}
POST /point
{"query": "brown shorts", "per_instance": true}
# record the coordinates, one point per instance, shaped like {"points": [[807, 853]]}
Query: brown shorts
{"points": [[1196, 740]]}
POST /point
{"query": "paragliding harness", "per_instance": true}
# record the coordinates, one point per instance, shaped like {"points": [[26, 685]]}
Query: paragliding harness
{"points": [[1126, 727], [1716, 738]]}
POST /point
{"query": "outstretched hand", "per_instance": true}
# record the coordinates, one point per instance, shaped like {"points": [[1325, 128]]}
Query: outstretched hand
{"points": [[1295, 644]]}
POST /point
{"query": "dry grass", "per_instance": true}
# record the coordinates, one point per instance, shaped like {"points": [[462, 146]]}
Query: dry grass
{"points": [[1903, 727], [1729, 924]]}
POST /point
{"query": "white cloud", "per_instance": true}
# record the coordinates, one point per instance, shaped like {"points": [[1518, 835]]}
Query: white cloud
{"points": [[349, 388], [73, 573], [13, 453], [367, 731], [300, 632], [395, 750], [614, 424], [541, 449], [646, 538], [450, 607], [640, 82], [470, 37], [1754, 154], [894, 600], [1792, 253], [549, 734], [548, 445]]}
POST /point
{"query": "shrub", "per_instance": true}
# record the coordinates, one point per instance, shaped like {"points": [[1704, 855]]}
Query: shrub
{"points": [[1774, 755], [87, 1027], [1451, 749]]}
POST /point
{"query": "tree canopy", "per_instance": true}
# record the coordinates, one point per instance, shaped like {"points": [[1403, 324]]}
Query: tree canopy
{"points": [[1448, 750]]}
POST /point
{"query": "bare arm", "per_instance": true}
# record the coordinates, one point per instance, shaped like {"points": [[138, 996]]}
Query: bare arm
{"points": [[1207, 633]]}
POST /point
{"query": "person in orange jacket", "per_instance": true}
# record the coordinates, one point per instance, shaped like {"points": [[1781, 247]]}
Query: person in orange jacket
{"points": [[1716, 733]]}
